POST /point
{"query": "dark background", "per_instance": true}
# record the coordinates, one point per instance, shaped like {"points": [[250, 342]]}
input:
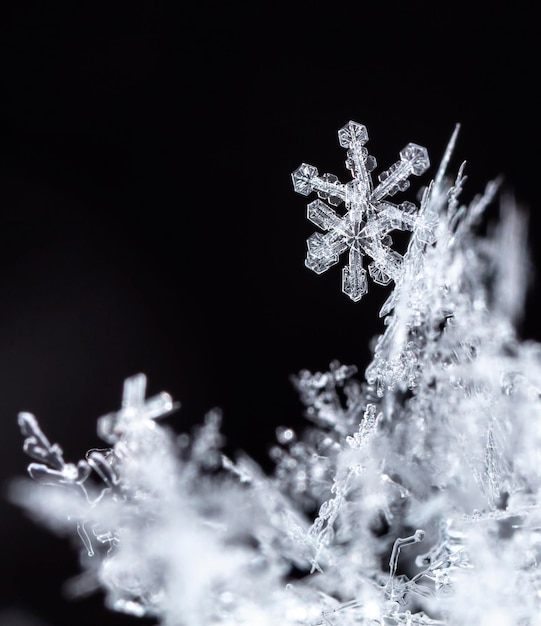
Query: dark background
{"points": [[148, 221]]}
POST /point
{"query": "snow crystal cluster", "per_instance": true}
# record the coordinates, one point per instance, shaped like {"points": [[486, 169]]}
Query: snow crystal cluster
{"points": [[411, 497]]}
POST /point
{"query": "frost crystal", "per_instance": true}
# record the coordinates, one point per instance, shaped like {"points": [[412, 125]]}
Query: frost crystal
{"points": [[364, 228], [412, 495]]}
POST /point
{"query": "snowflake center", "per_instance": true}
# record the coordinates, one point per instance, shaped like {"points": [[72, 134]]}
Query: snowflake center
{"points": [[356, 236]]}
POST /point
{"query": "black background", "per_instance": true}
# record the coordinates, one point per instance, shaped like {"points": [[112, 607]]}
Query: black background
{"points": [[148, 221]]}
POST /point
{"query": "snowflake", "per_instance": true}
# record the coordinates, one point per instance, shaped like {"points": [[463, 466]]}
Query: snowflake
{"points": [[365, 227]]}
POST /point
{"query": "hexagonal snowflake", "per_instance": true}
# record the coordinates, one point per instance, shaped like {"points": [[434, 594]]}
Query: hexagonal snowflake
{"points": [[365, 227]]}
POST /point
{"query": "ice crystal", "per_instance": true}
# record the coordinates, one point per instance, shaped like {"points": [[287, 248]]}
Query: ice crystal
{"points": [[410, 497], [370, 217]]}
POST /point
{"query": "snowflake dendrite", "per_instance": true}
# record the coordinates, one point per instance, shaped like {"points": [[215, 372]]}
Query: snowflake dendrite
{"points": [[364, 228]]}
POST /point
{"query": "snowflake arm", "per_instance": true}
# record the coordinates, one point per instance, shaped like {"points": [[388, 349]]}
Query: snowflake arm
{"points": [[135, 410], [363, 229]]}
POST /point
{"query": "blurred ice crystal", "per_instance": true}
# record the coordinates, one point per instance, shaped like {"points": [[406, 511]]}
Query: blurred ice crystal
{"points": [[410, 497], [135, 410], [370, 217]]}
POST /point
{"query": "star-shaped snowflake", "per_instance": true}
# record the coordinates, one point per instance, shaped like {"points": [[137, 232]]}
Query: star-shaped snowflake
{"points": [[365, 227]]}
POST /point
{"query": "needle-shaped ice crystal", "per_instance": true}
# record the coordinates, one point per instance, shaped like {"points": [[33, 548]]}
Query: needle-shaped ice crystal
{"points": [[364, 228]]}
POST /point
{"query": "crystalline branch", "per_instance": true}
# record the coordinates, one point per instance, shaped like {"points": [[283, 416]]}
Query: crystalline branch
{"points": [[370, 217]]}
